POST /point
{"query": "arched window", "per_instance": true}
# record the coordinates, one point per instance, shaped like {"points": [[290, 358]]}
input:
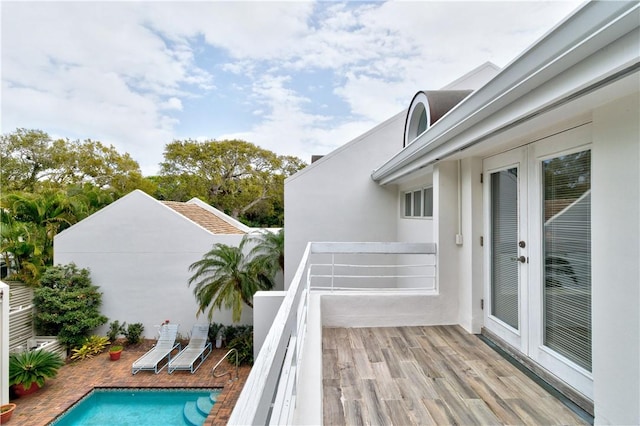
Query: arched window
{"points": [[426, 108], [417, 118]]}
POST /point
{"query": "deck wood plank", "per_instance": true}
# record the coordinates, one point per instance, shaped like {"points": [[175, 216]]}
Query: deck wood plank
{"points": [[419, 414], [400, 348], [329, 339], [355, 414], [427, 375], [392, 363], [363, 366], [496, 404], [371, 345], [481, 412], [355, 338], [386, 384], [440, 412], [348, 374], [491, 379], [427, 363], [330, 368], [373, 402], [332, 410], [529, 413], [422, 385], [453, 400], [397, 412]]}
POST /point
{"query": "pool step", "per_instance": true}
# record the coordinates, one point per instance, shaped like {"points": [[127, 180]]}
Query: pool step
{"points": [[204, 405], [192, 415], [213, 396]]}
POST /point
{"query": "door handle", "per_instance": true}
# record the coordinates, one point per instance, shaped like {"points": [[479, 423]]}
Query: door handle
{"points": [[520, 259]]}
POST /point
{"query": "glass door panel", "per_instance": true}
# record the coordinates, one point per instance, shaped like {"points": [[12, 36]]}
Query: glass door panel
{"points": [[566, 248], [504, 246], [505, 201]]}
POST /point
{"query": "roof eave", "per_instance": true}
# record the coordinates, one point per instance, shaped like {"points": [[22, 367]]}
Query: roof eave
{"points": [[579, 35]]}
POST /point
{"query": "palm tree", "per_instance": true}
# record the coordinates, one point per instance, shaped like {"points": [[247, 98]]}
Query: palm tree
{"points": [[226, 277], [269, 250], [29, 223]]}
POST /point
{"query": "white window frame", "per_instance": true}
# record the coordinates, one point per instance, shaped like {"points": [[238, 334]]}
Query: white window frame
{"points": [[411, 193]]}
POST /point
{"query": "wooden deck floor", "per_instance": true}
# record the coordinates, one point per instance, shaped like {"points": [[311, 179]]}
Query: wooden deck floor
{"points": [[427, 376]]}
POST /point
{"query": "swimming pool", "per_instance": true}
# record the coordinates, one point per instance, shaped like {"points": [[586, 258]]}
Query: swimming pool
{"points": [[140, 407]]}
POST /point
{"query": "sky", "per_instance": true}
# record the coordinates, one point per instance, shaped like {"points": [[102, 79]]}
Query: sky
{"points": [[295, 77]]}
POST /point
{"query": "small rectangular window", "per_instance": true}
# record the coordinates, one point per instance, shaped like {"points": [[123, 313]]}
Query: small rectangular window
{"points": [[407, 204], [417, 203], [428, 202]]}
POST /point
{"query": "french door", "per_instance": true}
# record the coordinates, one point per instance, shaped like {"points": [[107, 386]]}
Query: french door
{"points": [[538, 253], [506, 238]]}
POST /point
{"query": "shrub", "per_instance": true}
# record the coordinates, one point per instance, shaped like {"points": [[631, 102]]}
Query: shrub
{"points": [[215, 329], [25, 368], [67, 305], [82, 352], [243, 343], [133, 333], [233, 331], [92, 346], [97, 343], [116, 329]]}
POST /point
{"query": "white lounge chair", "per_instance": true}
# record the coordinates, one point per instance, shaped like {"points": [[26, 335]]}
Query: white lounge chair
{"points": [[196, 351], [163, 348]]}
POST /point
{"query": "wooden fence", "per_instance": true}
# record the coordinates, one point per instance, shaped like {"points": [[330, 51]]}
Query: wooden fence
{"points": [[20, 316], [22, 335]]}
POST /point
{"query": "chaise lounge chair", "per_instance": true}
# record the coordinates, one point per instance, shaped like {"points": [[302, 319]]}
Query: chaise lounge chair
{"points": [[195, 352], [163, 348]]}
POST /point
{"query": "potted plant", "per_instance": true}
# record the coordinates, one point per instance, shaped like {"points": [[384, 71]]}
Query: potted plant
{"points": [[6, 410], [28, 370], [216, 333], [114, 352]]}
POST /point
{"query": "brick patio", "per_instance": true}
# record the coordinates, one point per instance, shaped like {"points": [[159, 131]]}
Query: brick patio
{"points": [[76, 379]]}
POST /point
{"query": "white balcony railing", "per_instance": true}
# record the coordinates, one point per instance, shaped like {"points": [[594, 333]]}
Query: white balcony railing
{"points": [[269, 395]]}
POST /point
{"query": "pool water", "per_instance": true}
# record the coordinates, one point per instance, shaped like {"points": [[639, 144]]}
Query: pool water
{"points": [[139, 407]]}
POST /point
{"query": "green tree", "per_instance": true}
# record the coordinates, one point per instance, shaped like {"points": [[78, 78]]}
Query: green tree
{"points": [[31, 221], [268, 250], [17, 246], [31, 160], [67, 305], [235, 176], [24, 156], [226, 277]]}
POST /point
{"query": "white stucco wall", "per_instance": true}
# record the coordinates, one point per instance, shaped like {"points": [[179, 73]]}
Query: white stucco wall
{"points": [[265, 307], [414, 229], [616, 256], [470, 252], [138, 252], [335, 199], [445, 194]]}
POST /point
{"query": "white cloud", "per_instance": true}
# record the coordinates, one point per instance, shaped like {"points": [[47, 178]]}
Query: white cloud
{"points": [[286, 122], [94, 70], [125, 72], [172, 103], [246, 29]]}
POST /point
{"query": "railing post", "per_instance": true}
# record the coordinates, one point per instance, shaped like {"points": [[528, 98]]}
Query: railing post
{"points": [[333, 273]]}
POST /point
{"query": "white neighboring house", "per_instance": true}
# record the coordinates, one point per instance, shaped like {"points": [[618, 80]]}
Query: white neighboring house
{"points": [[337, 195], [546, 151], [139, 249]]}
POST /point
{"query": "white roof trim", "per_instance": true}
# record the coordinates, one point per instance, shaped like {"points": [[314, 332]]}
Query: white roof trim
{"points": [[582, 34]]}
